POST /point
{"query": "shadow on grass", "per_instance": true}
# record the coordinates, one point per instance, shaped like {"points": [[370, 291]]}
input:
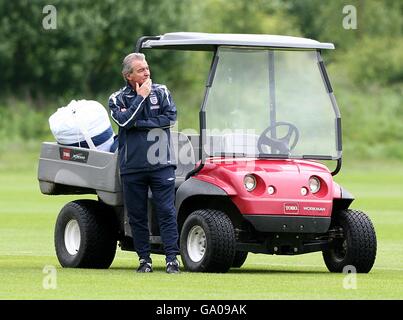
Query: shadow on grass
{"points": [[233, 271], [271, 271]]}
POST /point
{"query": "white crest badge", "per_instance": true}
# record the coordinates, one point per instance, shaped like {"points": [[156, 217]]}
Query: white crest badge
{"points": [[153, 99]]}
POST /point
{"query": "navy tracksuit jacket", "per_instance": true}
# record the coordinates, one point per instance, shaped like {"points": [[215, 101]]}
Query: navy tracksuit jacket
{"points": [[146, 159]]}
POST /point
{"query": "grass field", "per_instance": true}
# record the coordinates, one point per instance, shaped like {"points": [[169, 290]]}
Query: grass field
{"points": [[26, 251]]}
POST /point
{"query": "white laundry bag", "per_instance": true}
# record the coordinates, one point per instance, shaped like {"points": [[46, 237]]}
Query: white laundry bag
{"points": [[82, 123]]}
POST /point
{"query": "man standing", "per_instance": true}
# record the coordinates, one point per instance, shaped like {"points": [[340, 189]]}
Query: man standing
{"points": [[144, 112]]}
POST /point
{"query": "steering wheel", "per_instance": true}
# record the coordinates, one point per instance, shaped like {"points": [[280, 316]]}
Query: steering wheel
{"points": [[282, 145]]}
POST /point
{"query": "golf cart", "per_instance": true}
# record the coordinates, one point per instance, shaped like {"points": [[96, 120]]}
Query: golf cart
{"points": [[255, 177]]}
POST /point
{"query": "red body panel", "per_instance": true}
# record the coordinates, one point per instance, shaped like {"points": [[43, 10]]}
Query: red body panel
{"points": [[286, 176]]}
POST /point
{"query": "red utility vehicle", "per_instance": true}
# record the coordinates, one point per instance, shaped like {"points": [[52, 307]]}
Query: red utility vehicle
{"points": [[253, 179]]}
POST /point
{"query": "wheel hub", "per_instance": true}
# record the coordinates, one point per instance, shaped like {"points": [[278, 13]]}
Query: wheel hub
{"points": [[72, 237], [196, 243]]}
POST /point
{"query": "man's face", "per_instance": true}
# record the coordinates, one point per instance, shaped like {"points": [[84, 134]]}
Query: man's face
{"points": [[140, 72]]}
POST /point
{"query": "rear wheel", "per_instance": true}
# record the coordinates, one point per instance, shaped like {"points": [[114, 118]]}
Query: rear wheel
{"points": [[207, 241], [85, 235], [354, 243]]}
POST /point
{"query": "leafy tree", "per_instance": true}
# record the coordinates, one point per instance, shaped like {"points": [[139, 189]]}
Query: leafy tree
{"points": [[323, 20], [84, 53]]}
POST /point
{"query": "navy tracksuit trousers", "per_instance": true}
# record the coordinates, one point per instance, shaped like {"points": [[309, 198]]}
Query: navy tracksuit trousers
{"points": [[135, 190]]}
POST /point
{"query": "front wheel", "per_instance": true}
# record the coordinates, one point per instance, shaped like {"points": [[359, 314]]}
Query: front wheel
{"points": [[85, 235], [354, 242], [207, 241]]}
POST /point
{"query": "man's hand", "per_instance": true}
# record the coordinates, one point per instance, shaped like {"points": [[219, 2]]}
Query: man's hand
{"points": [[145, 89]]}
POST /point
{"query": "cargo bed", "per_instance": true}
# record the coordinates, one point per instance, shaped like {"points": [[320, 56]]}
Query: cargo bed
{"points": [[74, 170]]}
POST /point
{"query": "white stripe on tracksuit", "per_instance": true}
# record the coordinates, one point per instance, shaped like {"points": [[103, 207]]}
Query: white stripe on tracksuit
{"points": [[113, 97]]}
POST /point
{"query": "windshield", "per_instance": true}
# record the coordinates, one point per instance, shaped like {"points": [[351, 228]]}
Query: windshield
{"points": [[269, 103]]}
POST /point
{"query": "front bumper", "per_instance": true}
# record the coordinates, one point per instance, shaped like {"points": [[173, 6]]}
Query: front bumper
{"points": [[289, 224]]}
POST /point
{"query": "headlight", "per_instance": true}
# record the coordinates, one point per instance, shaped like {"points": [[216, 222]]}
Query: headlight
{"points": [[314, 184], [249, 181]]}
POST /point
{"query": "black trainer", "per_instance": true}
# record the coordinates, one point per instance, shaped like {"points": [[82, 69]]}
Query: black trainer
{"points": [[145, 266], [173, 266]]}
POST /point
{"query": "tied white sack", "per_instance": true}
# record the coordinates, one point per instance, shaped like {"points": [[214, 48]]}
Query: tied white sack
{"points": [[83, 123]]}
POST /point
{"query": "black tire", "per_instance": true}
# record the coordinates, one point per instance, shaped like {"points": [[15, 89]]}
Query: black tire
{"points": [[97, 232], [219, 241], [357, 245], [239, 259]]}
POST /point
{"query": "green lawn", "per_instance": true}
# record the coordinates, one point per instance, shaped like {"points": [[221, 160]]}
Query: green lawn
{"points": [[26, 231]]}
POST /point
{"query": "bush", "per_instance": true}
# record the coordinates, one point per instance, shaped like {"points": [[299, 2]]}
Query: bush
{"points": [[375, 61], [18, 121]]}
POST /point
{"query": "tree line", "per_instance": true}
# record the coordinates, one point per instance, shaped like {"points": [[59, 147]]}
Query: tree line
{"points": [[45, 63], [83, 53]]}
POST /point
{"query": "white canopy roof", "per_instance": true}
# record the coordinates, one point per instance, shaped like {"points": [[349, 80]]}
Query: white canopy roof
{"points": [[207, 41]]}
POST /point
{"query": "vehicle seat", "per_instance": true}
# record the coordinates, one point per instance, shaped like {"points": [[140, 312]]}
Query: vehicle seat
{"points": [[184, 156]]}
